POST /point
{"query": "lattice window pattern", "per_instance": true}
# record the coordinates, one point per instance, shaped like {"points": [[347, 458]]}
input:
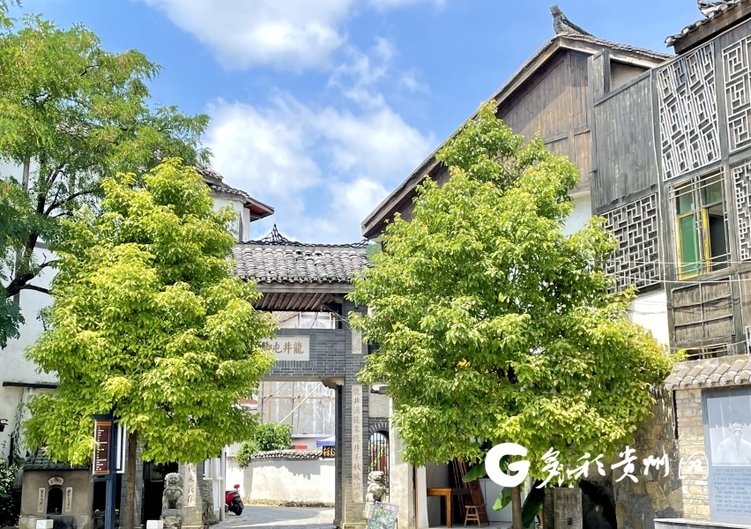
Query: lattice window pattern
{"points": [[742, 180], [689, 133], [636, 261], [737, 92]]}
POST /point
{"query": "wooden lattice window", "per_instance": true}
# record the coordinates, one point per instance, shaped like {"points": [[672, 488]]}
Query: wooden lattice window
{"points": [[701, 226]]}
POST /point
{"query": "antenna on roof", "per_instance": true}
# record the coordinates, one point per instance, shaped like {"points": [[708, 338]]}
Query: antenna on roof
{"points": [[562, 25]]}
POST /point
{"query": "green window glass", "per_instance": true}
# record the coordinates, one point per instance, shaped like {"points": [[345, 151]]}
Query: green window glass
{"points": [[688, 246]]}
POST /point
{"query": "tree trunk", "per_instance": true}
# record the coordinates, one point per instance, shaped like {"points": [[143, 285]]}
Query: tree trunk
{"points": [[19, 252], [516, 508], [130, 479]]}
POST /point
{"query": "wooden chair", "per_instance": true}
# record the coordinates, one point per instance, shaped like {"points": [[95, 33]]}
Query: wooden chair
{"points": [[472, 515]]}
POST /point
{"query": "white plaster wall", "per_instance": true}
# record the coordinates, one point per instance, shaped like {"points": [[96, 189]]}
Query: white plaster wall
{"points": [[581, 213], [13, 365], [281, 481], [242, 212], [651, 311]]}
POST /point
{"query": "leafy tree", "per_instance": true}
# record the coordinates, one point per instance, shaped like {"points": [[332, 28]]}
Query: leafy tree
{"points": [[71, 112], [268, 436], [492, 325], [149, 324], [8, 509], [272, 436]]}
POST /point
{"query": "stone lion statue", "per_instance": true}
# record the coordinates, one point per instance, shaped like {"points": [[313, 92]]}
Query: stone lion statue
{"points": [[376, 491], [376, 488], [172, 497]]}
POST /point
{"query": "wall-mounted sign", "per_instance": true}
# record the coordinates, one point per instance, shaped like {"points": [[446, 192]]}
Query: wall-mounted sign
{"points": [[290, 348], [55, 481], [328, 451], [103, 437]]}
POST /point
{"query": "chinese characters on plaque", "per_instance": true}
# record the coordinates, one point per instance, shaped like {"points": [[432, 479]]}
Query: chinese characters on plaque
{"points": [[328, 451], [290, 348], [357, 492], [103, 438]]}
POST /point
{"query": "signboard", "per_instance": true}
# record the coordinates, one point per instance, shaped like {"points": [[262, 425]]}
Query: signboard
{"points": [[728, 451], [103, 437], [328, 451], [384, 516], [290, 348]]}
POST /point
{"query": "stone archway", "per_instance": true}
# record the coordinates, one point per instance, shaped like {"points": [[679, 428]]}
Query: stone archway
{"points": [[300, 277]]}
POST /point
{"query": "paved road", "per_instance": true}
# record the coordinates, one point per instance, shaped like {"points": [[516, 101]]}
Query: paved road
{"points": [[280, 518]]}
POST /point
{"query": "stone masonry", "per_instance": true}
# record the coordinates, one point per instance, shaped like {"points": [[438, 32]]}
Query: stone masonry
{"points": [[691, 447]]}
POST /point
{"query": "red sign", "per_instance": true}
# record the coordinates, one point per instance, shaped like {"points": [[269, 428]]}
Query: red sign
{"points": [[103, 438]]}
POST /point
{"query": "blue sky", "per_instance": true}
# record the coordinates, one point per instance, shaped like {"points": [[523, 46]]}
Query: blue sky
{"points": [[320, 108]]}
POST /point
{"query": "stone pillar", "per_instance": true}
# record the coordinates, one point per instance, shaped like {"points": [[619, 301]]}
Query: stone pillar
{"points": [[563, 508], [192, 501], [401, 491]]}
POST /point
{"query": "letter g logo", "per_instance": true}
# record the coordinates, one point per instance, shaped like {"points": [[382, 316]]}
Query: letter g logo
{"points": [[493, 464]]}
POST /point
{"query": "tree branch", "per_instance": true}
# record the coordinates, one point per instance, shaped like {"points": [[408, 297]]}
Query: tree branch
{"points": [[35, 288], [70, 198]]}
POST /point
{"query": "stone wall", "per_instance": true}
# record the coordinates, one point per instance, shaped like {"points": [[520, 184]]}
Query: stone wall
{"points": [[654, 495]]}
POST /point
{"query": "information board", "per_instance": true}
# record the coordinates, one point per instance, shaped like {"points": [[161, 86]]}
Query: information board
{"points": [[103, 438], [384, 516]]}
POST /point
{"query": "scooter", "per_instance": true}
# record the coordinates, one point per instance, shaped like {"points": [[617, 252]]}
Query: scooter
{"points": [[233, 500]]}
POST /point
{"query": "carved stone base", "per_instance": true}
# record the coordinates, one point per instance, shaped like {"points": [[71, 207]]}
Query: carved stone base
{"points": [[172, 522]]}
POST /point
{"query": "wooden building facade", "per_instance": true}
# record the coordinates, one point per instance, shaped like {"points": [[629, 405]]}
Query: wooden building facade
{"points": [[664, 148]]}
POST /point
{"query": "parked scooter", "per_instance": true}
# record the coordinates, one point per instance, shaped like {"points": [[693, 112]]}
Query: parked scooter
{"points": [[233, 500]]}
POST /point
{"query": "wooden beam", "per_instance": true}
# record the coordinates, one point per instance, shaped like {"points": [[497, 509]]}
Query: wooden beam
{"points": [[305, 288]]}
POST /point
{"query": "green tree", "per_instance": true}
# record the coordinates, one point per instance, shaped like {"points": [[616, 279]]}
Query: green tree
{"points": [[268, 436], [149, 323], [493, 326], [71, 112]]}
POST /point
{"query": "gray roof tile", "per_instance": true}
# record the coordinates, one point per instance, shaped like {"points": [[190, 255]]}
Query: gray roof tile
{"points": [[278, 260], [718, 11], [711, 372]]}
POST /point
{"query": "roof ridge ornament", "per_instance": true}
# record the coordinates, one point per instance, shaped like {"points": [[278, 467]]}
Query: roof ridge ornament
{"points": [[562, 25], [276, 238], [709, 9]]}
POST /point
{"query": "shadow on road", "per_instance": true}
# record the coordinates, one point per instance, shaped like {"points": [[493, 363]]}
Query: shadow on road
{"points": [[280, 517]]}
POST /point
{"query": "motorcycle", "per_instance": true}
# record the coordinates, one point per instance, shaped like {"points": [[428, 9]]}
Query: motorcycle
{"points": [[233, 501]]}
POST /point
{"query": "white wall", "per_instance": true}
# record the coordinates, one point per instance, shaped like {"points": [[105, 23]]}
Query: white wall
{"points": [[243, 215], [581, 213], [651, 311], [282, 481]]}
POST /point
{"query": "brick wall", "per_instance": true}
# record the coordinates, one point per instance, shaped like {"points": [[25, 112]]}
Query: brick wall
{"points": [[691, 442]]}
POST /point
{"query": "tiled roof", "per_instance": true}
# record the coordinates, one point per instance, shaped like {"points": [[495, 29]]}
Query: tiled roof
{"points": [[713, 372], [282, 261], [719, 10], [215, 182], [616, 45], [39, 461]]}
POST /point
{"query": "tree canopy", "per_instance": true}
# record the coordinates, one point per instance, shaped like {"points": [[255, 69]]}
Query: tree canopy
{"points": [[493, 325], [71, 112], [149, 323]]}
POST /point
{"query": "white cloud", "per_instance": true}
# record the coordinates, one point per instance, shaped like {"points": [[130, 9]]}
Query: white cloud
{"points": [[285, 34], [281, 152], [409, 81], [391, 4]]}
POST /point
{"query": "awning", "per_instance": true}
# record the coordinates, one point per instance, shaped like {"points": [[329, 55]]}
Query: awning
{"points": [[329, 441]]}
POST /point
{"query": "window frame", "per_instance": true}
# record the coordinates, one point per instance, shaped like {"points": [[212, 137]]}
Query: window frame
{"points": [[706, 262]]}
